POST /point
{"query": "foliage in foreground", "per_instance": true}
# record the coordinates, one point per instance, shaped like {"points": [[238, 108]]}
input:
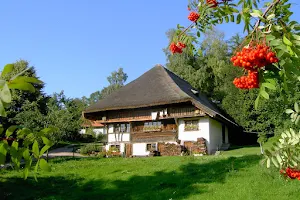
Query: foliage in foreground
{"points": [[20, 144]]}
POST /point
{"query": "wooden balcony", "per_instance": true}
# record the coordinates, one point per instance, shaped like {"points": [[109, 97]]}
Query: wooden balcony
{"points": [[153, 136]]}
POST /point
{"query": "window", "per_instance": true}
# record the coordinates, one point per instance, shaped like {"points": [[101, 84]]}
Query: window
{"points": [[191, 125], [122, 128], [152, 126], [151, 147], [115, 148]]}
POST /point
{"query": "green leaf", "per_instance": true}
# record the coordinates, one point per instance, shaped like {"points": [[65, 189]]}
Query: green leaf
{"points": [[286, 41], [279, 159], [46, 141], [297, 120], [256, 13], [232, 18], [44, 165], [198, 33], [26, 154], [296, 37], [21, 79], [19, 74], [268, 162], [226, 19], [271, 16], [275, 42], [7, 69], [21, 86], [264, 94], [2, 109], [5, 94], [35, 149], [3, 152], [289, 111], [48, 130], [275, 162], [278, 28], [10, 130], [256, 102], [14, 153], [36, 169], [296, 107], [44, 149], [25, 173], [2, 82], [269, 85], [238, 19]]}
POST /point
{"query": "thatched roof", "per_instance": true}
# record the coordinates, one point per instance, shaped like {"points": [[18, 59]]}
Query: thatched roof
{"points": [[158, 86]]}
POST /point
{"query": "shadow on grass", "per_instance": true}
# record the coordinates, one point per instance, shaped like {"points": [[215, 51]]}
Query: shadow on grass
{"points": [[241, 147], [190, 179]]}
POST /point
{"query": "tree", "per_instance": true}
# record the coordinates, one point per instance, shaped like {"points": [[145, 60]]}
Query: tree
{"points": [[269, 54], [66, 115], [208, 70], [212, 73], [116, 80], [22, 98]]}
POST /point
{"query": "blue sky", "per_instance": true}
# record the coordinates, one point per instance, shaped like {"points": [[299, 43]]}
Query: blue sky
{"points": [[74, 45]]}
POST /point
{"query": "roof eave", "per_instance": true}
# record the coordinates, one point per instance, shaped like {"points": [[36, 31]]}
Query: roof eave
{"points": [[138, 106]]}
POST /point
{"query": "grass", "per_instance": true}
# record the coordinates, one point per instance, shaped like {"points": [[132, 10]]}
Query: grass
{"points": [[235, 174]]}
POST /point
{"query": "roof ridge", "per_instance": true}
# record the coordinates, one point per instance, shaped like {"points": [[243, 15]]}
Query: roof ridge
{"points": [[193, 100], [175, 87]]}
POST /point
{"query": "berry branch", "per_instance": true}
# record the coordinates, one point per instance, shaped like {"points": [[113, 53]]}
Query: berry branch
{"points": [[265, 13]]}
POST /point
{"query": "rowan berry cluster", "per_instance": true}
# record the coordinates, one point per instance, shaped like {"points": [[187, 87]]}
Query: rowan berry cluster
{"points": [[254, 57], [176, 48], [213, 3], [193, 16], [247, 82], [292, 173]]}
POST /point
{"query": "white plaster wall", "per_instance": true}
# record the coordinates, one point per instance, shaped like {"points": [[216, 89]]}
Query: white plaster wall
{"points": [[139, 149], [99, 131], [215, 138], [193, 135], [121, 137], [110, 128], [122, 147], [96, 130], [82, 131]]}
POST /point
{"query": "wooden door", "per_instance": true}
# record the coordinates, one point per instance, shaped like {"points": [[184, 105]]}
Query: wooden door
{"points": [[128, 150]]}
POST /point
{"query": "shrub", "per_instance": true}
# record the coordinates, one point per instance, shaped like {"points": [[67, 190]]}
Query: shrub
{"points": [[86, 138], [91, 149]]}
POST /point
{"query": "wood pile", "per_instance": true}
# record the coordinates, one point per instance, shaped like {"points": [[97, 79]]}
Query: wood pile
{"points": [[198, 147], [169, 149]]}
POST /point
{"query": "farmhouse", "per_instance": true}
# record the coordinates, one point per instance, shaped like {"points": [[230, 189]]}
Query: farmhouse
{"points": [[159, 107]]}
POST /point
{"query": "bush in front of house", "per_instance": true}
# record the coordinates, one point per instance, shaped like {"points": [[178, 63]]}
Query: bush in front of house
{"points": [[91, 149]]}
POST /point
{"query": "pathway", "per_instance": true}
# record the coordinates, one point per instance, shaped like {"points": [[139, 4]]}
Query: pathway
{"points": [[63, 151]]}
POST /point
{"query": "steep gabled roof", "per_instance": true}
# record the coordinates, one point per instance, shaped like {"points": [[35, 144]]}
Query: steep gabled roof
{"points": [[158, 86]]}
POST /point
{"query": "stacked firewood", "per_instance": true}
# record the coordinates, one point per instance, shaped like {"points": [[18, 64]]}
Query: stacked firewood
{"points": [[169, 149], [198, 147]]}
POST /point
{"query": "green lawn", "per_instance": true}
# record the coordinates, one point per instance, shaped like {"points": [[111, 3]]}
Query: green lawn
{"points": [[235, 174]]}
